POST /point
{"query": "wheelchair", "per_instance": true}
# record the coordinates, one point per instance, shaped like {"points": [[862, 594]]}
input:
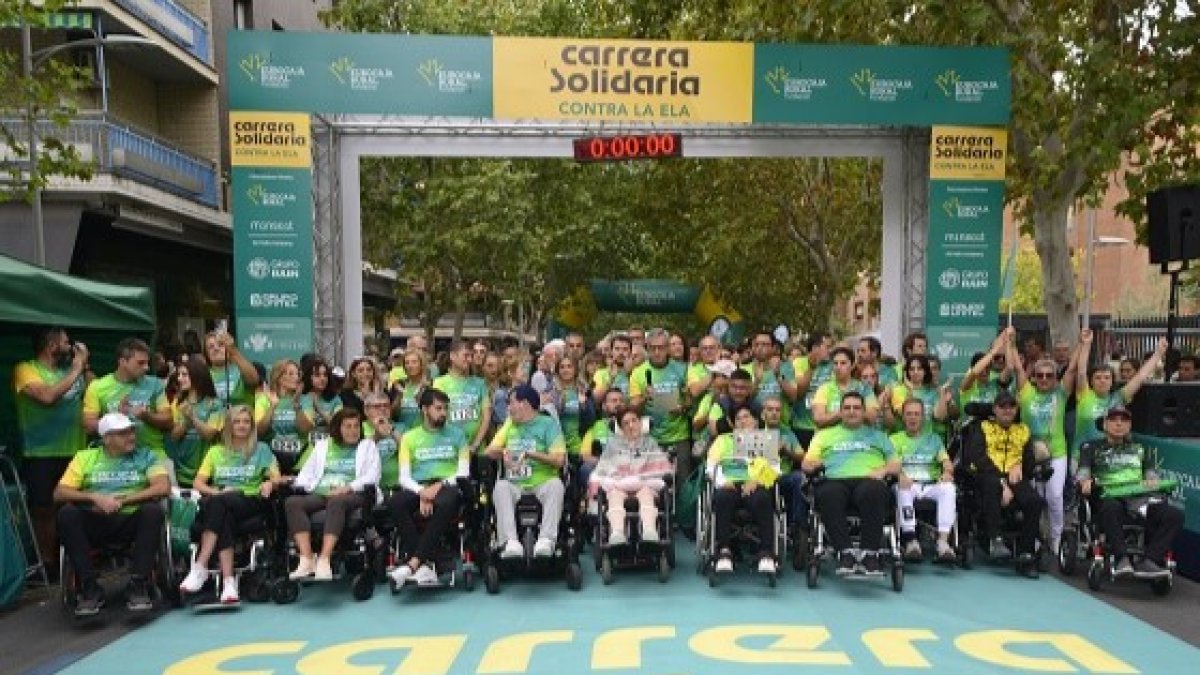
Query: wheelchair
{"points": [[111, 562], [255, 566], [927, 533], [818, 550], [528, 516], [359, 554], [745, 536], [456, 556], [1086, 541], [636, 553]]}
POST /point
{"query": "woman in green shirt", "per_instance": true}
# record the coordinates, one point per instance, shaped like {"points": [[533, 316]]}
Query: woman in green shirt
{"points": [[235, 479], [197, 416], [1094, 391], [276, 410], [319, 402], [918, 383], [571, 402], [405, 393]]}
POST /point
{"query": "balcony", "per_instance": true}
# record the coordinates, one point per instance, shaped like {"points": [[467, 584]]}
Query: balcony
{"points": [[175, 23], [117, 148]]}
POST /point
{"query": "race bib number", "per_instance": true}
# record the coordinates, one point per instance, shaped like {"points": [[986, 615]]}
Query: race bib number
{"points": [[286, 446], [519, 469], [317, 435], [463, 415]]}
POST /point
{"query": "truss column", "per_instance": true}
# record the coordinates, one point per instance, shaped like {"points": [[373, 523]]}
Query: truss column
{"points": [[328, 319]]}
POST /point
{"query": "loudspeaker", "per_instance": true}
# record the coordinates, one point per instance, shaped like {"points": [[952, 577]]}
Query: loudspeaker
{"points": [[1168, 410], [1174, 215]]}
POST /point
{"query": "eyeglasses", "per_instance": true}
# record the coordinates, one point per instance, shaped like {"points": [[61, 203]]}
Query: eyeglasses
{"points": [[1043, 376]]}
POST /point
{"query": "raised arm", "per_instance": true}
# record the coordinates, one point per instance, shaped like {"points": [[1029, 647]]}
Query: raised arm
{"points": [[1131, 387], [1081, 361]]}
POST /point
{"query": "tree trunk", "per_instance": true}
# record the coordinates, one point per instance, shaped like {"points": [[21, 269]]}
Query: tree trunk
{"points": [[1058, 275]]}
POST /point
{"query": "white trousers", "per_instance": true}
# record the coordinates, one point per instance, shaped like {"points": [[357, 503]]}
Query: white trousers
{"points": [[942, 493]]}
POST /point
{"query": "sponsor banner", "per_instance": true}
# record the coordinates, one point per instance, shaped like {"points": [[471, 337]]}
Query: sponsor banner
{"points": [[360, 73], [272, 234], [967, 153], [645, 296], [268, 339], [955, 343], [622, 80], [835, 84], [270, 139], [1179, 460]]}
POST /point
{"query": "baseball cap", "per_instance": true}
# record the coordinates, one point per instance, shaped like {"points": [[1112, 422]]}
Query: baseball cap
{"points": [[723, 367], [1118, 411], [113, 422], [1004, 398]]}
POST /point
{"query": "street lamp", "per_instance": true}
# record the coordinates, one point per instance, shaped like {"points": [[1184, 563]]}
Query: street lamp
{"points": [[1094, 242], [31, 62]]}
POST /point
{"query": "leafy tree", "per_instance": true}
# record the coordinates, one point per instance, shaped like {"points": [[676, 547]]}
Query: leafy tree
{"points": [[49, 93]]}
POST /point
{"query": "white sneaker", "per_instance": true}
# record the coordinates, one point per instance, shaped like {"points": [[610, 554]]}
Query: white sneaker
{"points": [[766, 565], [513, 549], [544, 548], [425, 576], [945, 551], [400, 575], [304, 568], [324, 571], [229, 591], [617, 539], [194, 580], [650, 536], [724, 565]]}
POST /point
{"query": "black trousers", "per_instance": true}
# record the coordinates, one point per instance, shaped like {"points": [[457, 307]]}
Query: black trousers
{"points": [[81, 529], [223, 513], [1025, 499], [405, 507], [760, 504], [870, 498], [1163, 522]]}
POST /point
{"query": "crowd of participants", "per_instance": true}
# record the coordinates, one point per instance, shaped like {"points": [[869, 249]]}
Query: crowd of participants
{"points": [[414, 424]]}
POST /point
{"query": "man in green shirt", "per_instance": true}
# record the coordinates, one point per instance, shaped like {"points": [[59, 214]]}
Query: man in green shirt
{"points": [[1124, 477], [110, 493], [658, 388], [433, 458], [926, 473], [131, 392], [531, 448], [470, 402], [812, 370], [856, 458], [49, 399], [616, 374], [233, 376]]}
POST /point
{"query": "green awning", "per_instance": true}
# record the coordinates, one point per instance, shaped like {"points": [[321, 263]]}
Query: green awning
{"points": [[60, 20], [37, 296]]}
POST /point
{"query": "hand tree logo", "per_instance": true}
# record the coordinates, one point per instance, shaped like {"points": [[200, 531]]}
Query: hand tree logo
{"points": [[862, 81], [952, 206], [341, 69], [429, 71], [256, 193], [948, 82], [776, 78], [258, 342], [253, 64]]}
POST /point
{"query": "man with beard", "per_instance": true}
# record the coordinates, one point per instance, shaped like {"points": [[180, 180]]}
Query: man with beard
{"points": [[616, 374], [432, 458], [49, 396]]}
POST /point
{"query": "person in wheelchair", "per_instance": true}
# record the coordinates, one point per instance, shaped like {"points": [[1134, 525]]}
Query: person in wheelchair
{"points": [[856, 459], [235, 479], [926, 472], [333, 480], [110, 493], [533, 451], [1001, 458], [1122, 478], [632, 466], [791, 455], [433, 458], [735, 487], [596, 437]]}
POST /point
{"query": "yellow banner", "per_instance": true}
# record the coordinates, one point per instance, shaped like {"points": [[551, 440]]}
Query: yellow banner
{"points": [[967, 153], [623, 80], [274, 139]]}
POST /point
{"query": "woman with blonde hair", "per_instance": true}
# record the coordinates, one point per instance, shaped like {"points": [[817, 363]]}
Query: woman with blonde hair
{"points": [[275, 412], [406, 392]]}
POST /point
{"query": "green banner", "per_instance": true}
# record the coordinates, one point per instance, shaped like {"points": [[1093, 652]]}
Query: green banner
{"points": [[272, 261], [360, 73], [1180, 461], [646, 296], [836, 84]]}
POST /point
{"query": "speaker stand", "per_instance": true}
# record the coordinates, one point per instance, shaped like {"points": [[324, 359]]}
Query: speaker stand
{"points": [[1173, 269]]}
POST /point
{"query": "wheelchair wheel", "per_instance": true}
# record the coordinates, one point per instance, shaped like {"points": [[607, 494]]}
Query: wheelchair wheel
{"points": [[664, 567], [362, 587], [1095, 575], [285, 591], [897, 577], [1068, 552], [800, 550], [256, 587], [69, 582], [491, 579], [1162, 586], [814, 573], [606, 569], [574, 576], [468, 577]]}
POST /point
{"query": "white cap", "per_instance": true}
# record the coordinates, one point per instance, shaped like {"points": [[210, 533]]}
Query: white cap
{"points": [[113, 422], [723, 367]]}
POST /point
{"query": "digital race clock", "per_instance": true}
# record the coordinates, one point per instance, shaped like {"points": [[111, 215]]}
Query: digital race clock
{"points": [[635, 146]]}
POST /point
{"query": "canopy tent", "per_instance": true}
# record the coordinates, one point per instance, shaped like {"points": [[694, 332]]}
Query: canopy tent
{"points": [[95, 313]]}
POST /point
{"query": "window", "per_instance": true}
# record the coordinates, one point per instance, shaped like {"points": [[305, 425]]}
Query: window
{"points": [[243, 15]]}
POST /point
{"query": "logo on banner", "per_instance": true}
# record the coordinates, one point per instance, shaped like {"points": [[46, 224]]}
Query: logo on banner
{"points": [[955, 208], [260, 70], [946, 350], [259, 196], [269, 139], [964, 91], [447, 81], [276, 268], [258, 342], [951, 279], [360, 79], [275, 300], [879, 89], [258, 268], [782, 83], [974, 310]]}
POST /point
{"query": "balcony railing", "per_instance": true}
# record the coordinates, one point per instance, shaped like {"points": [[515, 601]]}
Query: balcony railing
{"points": [[117, 148], [176, 23]]}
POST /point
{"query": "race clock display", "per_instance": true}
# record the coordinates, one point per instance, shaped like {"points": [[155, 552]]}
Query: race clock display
{"points": [[634, 146]]}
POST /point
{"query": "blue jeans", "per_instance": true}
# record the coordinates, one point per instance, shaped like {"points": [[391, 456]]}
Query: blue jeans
{"points": [[791, 486]]}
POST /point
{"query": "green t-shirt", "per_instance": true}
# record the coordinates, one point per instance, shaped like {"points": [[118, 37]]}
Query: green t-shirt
{"points": [[340, 468], [469, 397], [1046, 414], [981, 392], [887, 374], [792, 446], [770, 384], [830, 395], [231, 389], [927, 396], [920, 457], [606, 378], [1116, 465], [569, 413], [599, 433], [1089, 407], [53, 430], [723, 453], [388, 448], [283, 437], [433, 455], [540, 434], [706, 410], [410, 411], [662, 388], [104, 395], [94, 470], [225, 469], [189, 451], [319, 411], [851, 453], [802, 409]]}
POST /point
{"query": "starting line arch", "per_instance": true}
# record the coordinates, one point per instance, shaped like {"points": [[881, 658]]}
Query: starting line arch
{"points": [[306, 107]]}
